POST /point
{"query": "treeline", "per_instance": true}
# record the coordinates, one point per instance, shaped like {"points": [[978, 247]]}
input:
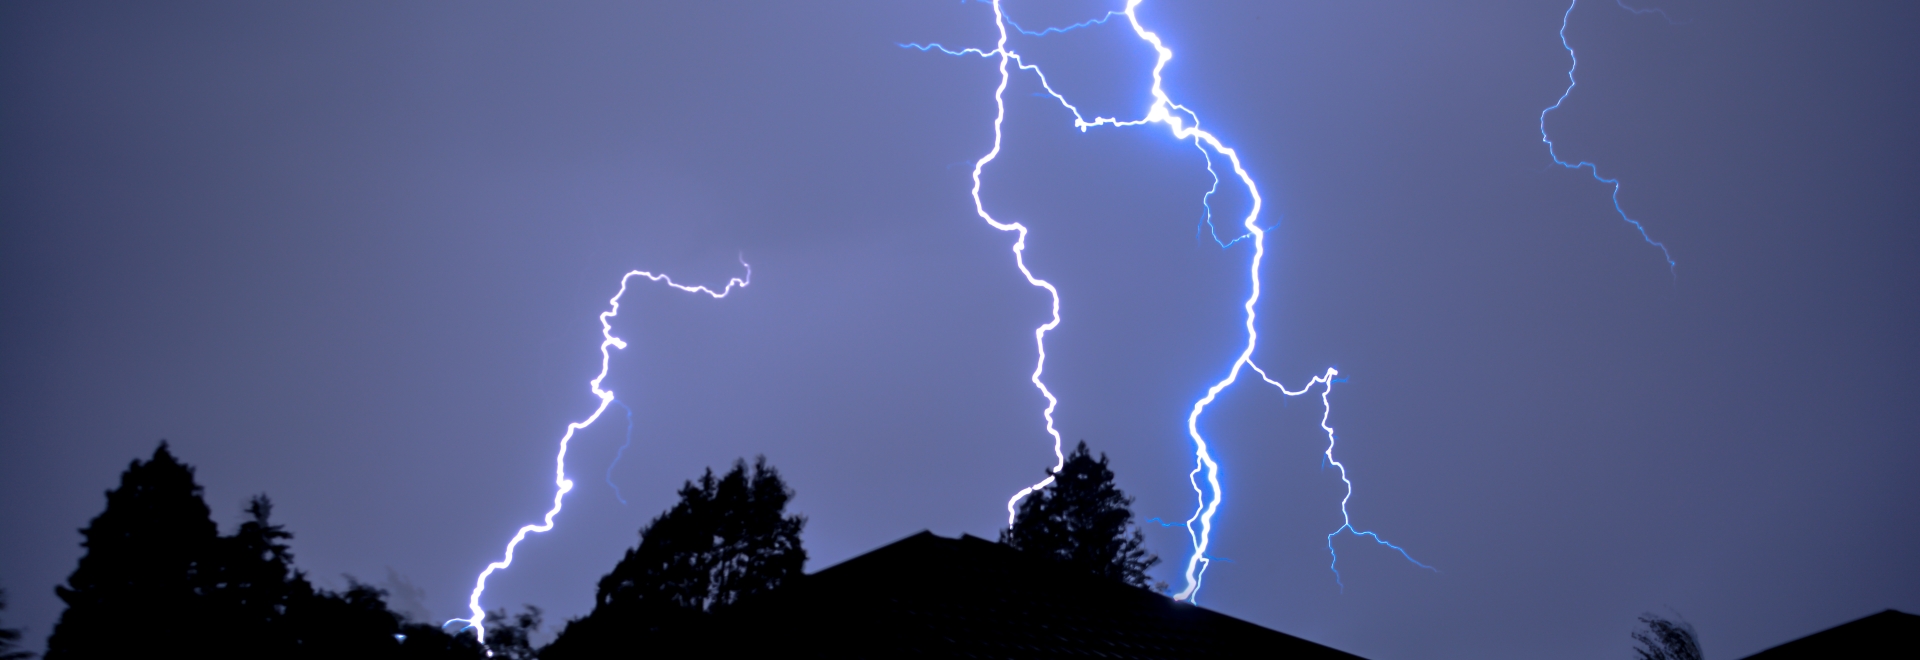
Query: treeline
{"points": [[730, 539], [158, 579]]}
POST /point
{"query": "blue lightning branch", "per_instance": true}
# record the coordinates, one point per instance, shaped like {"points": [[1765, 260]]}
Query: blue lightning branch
{"points": [[1058, 30], [1184, 125], [621, 453], [1206, 204], [1590, 167], [560, 462], [1637, 11], [1346, 521]]}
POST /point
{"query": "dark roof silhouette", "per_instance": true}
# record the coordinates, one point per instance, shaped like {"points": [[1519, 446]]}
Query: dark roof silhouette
{"points": [[932, 597], [1889, 634]]}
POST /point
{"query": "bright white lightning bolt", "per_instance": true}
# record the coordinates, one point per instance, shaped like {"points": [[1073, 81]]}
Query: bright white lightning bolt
{"points": [[560, 462], [1019, 259], [1184, 125]]}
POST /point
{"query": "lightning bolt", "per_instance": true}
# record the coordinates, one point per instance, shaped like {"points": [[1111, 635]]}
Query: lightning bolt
{"points": [[1590, 167], [1184, 124], [560, 479]]}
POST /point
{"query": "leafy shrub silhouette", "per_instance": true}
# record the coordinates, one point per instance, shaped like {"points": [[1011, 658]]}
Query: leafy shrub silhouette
{"points": [[1663, 639], [727, 538]]}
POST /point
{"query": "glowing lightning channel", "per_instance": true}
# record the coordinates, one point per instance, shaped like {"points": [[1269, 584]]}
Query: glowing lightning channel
{"points": [[1594, 169], [1185, 125], [560, 462]]}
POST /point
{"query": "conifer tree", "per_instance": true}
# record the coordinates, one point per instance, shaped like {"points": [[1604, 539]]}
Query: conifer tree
{"points": [[254, 584], [138, 587], [1082, 520]]}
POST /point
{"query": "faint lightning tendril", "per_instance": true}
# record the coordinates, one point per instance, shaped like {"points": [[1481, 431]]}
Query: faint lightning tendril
{"points": [[1594, 169], [1057, 30], [1637, 11], [1185, 125], [560, 462], [621, 453]]}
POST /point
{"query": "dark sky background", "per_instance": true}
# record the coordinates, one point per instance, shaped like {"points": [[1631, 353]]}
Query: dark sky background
{"points": [[350, 254]]}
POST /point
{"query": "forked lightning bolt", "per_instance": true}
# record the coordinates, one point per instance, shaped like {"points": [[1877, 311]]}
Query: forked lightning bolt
{"points": [[1346, 521], [1184, 125], [560, 462], [1590, 167]]}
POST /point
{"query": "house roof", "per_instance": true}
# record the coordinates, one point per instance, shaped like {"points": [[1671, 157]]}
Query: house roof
{"points": [[929, 596], [1889, 634]]}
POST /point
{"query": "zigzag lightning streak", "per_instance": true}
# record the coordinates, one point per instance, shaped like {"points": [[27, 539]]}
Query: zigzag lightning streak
{"points": [[560, 480]]}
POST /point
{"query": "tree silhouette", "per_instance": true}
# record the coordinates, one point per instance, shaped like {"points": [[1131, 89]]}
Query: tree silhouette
{"points": [[727, 538], [1663, 639], [253, 583], [159, 580], [138, 587], [1082, 520]]}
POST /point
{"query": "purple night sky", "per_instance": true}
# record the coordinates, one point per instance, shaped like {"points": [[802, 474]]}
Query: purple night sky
{"points": [[350, 254]]}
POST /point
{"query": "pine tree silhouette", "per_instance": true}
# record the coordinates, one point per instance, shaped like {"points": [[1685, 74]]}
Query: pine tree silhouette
{"points": [[138, 587], [1082, 520], [253, 582]]}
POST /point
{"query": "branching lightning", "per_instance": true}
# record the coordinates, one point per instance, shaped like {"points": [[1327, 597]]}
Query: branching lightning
{"points": [[1184, 125], [1590, 167], [1327, 380], [560, 479], [617, 455]]}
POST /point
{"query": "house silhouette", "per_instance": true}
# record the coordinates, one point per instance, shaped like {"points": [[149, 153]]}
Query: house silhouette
{"points": [[927, 596]]}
